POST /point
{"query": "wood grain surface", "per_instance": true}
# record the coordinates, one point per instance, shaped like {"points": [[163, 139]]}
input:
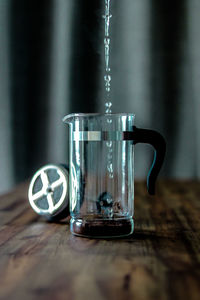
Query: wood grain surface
{"points": [[161, 260]]}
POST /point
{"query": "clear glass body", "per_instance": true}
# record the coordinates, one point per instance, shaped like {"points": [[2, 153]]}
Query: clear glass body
{"points": [[101, 175]]}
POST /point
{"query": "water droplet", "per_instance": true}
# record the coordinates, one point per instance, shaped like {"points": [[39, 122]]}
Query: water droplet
{"points": [[107, 61], [110, 168], [108, 104], [107, 41], [107, 17], [107, 7], [107, 78], [109, 144], [108, 111]]}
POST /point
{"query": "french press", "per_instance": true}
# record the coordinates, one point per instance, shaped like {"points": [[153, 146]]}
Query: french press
{"points": [[102, 160]]}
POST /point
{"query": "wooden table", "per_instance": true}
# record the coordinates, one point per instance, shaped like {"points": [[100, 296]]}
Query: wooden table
{"points": [[161, 260]]}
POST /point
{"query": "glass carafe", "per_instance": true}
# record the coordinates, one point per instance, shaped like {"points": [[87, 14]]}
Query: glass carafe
{"points": [[102, 172]]}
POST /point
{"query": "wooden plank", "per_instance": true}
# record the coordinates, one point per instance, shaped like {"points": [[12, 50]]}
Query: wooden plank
{"points": [[161, 260]]}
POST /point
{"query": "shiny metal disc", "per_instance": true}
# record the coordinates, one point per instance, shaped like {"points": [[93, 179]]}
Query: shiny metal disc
{"points": [[48, 191]]}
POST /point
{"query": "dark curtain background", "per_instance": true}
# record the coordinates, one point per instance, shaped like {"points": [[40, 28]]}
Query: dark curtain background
{"points": [[52, 64]]}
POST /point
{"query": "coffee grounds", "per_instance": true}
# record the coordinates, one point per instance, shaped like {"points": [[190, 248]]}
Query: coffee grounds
{"points": [[101, 228]]}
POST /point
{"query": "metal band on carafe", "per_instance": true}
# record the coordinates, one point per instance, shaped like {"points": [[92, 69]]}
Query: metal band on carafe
{"points": [[94, 136]]}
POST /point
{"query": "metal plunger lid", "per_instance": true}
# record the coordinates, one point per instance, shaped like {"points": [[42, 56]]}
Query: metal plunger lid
{"points": [[49, 191]]}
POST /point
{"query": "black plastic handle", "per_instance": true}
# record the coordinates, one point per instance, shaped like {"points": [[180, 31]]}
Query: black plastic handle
{"points": [[155, 139]]}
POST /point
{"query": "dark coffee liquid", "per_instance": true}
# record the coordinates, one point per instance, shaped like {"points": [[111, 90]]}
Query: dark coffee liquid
{"points": [[100, 228]]}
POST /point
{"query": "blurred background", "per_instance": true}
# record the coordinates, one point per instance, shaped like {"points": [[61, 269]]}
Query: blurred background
{"points": [[52, 64]]}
